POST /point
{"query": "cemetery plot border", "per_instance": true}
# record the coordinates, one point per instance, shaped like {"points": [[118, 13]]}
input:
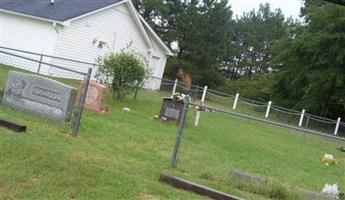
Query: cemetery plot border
{"points": [[199, 189], [12, 126]]}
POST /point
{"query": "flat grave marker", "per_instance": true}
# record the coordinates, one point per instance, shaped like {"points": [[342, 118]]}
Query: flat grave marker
{"points": [[194, 187], [248, 177], [12, 126]]}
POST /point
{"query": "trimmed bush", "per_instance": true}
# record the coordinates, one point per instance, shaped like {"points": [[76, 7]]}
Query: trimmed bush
{"points": [[123, 72]]}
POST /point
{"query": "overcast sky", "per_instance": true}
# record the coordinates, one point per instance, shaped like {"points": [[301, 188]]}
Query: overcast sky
{"points": [[289, 7]]}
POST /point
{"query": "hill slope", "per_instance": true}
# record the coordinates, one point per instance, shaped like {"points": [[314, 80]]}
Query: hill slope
{"points": [[120, 155]]}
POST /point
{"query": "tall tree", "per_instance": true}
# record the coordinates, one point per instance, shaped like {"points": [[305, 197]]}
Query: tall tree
{"points": [[154, 12], [201, 31], [313, 61], [255, 33]]}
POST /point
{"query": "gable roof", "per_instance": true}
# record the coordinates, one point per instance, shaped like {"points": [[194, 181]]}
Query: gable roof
{"points": [[155, 36], [61, 10], [64, 11]]}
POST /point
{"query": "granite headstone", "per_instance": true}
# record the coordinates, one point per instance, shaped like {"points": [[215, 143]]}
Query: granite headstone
{"points": [[95, 96], [39, 95], [171, 109]]}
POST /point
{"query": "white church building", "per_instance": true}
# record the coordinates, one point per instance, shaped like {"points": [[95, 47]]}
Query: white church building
{"points": [[81, 30]]}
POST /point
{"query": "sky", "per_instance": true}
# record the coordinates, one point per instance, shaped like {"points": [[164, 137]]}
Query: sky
{"points": [[288, 7]]}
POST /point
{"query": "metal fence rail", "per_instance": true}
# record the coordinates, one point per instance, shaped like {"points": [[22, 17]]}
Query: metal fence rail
{"points": [[260, 111], [42, 56], [270, 122], [46, 65], [31, 62]]}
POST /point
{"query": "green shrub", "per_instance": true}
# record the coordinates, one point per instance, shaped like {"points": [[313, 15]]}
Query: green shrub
{"points": [[257, 87], [123, 72]]}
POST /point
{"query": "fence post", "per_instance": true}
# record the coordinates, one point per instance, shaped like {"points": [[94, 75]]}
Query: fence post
{"points": [[175, 86], [180, 132], [306, 124], [268, 109], [198, 113], [204, 94], [301, 118], [39, 64], [80, 107], [337, 126], [195, 92], [235, 102]]}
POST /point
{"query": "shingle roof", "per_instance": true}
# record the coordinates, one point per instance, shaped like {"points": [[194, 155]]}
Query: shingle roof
{"points": [[61, 10]]}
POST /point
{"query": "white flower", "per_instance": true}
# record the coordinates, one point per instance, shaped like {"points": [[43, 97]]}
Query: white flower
{"points": [[328, 156], [331, 190]]}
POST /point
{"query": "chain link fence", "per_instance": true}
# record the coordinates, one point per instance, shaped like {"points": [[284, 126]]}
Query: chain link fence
{"points": [[166, 85], [167, 88], [320, 124], [284, 115], [341, 130], [219, 99], [70, 72], [248, 107]]}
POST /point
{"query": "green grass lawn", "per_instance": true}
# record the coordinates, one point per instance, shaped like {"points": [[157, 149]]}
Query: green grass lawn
{"points": [[120, 155]]}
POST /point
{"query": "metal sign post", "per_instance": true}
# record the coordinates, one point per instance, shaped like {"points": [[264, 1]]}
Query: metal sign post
{"points": [[80, 107], [180, 132]]}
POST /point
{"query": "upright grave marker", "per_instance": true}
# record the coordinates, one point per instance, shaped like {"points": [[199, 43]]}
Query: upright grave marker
{"points": [[39, 95], [95, 96], [171, 109]]}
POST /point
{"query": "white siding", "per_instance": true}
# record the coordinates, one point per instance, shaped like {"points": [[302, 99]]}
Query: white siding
{"points": [[158, 59], [114, 26], [26, 34]]}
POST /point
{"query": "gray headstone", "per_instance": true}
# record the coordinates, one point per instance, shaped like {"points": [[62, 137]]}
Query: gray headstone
{"points": [[248, 177], [171, 109], [172, 113], [39, 95]]}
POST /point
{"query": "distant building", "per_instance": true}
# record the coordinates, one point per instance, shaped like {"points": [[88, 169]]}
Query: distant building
{"points": [[81, 30]]}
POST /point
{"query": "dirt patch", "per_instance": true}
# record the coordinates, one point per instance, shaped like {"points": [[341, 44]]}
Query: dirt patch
{"points": [[2, 187]]}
